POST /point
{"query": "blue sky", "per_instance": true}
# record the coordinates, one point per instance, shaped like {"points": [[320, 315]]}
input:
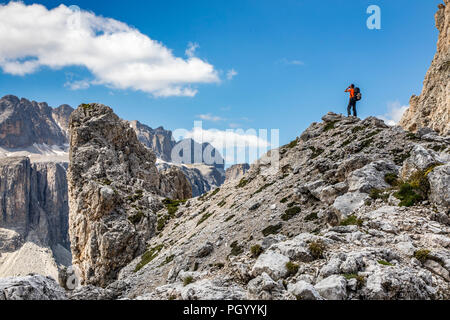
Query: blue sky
{"points": [[292, 61]]}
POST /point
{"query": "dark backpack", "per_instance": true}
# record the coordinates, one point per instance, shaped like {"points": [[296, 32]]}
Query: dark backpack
{"points": [[358, 95]]}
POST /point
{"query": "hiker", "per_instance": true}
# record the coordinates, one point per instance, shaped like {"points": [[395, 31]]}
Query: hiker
{"points": [[355, 95]]}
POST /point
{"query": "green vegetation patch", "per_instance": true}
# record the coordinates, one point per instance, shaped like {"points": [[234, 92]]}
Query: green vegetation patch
{"points": [[361, 280], [216, 191], [379, 194], [148, 256], [242, 183], [330, 126], [292, 268], [86, 106], [236, 249], [348, 141], [352, 221], [391, 179], [422, 255], [317, 249], [385, 263], [168, 260], [357, 129], [256, 250], [264, 187], [230, 218], [316, 152], [284, 200], [290, 213], [173, 205], [135, 219], [292, 144], [366, 143], [204, 218], [188, 280], [416, 189], [222, 203], [274, 229], [311, 217]]}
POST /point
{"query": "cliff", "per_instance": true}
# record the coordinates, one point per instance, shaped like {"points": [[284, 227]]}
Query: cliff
{"points": [[114, 191], [432, 108]]}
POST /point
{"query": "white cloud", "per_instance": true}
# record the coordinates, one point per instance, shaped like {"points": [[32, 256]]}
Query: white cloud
{"points": [[291, 62], [78, 85], [117, 55], [210, 117], [394, 114], [220, 138], [190, 51], [231, 74]]}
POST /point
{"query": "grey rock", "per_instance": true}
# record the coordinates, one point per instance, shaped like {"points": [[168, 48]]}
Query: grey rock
{"points": [[420, 159], [372, 176], [333, 288], [24, 123], [111, 176], [32, 287], [272, 263], [237, 172], [439, 180], [304, 291], [350, 202]]}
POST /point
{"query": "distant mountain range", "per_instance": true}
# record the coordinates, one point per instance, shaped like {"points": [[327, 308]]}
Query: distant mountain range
{"points": [[36, 130]]}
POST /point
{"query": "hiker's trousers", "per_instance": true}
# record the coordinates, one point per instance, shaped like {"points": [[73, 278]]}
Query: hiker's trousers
{"points": [[352, 105]]}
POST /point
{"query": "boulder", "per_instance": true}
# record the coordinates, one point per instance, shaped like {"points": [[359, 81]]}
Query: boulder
{"points": [[332, 288], [272, 263], [304, 291], [32, 287], [420, 159], [439, 180], [401, 283], [372, 176], [349, 203]]}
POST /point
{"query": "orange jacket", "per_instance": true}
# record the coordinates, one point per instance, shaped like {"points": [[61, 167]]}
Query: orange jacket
{"points": [[352, 92]]}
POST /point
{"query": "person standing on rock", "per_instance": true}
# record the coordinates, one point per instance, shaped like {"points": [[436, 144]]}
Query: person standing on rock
{"points": [[352, 103]]}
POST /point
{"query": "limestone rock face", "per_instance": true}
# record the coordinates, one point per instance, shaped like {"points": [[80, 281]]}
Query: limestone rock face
{"points": [[33, 287], [202, 178], [61, 115], [24, 123], [237, 171], [34, 220], [432, 108], [159, 140], [34, 200], [114, 190]]}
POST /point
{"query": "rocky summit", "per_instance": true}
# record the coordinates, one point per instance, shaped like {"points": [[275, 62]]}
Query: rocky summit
{"points": [[358, 210], [432, 108], [114, 190]]}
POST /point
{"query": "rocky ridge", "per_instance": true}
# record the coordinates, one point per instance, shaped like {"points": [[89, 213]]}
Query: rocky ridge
{"points": [[359, 210], [432, 108]]}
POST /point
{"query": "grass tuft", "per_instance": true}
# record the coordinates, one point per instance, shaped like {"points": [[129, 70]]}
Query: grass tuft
{"points": [[275, 229], [352, 221], [256, 250], [317, 249]]}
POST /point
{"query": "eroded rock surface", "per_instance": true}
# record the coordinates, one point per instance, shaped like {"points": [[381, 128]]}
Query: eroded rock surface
{"points": [[114, 191], [432, 108]]}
